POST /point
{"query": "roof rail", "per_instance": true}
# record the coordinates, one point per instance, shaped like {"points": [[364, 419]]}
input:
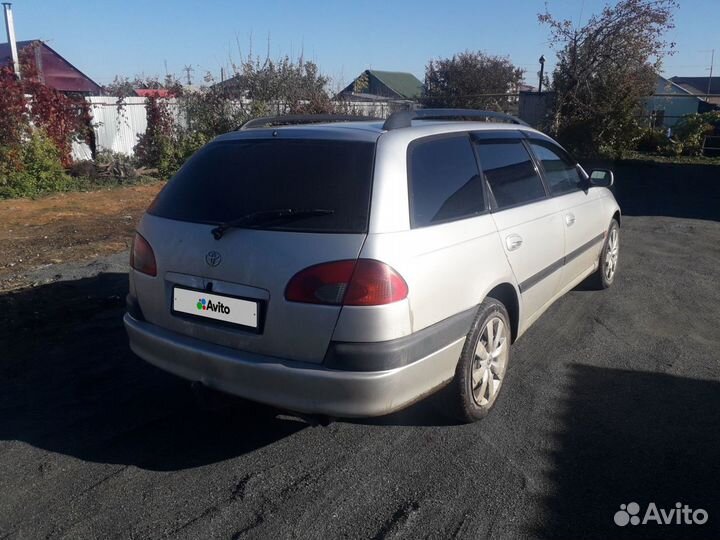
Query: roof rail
{"points": [[289, 119], [403, 119]]}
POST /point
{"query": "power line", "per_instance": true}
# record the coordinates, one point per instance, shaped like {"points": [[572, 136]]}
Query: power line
{"points": [[188, 70]]}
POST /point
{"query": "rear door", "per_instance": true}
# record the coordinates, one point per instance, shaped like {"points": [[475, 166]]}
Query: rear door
{"points": [[528, 221], [230, 179], [582, 210]]}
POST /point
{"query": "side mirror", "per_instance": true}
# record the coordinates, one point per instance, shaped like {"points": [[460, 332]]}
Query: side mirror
{"points": [[602, 178]]}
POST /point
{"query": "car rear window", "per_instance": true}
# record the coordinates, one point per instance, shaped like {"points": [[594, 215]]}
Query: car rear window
{"points": [[230, 179]]}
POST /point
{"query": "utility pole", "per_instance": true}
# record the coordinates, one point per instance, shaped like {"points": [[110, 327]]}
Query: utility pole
{"points": [[188, 70], [712, 61]]}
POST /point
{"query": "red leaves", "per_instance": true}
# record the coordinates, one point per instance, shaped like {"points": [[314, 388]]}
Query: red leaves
{"points": [[29, 102], [13, 109]]}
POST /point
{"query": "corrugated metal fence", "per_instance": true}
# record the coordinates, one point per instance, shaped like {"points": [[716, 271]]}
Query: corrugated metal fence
{"points": [[118, 125]]}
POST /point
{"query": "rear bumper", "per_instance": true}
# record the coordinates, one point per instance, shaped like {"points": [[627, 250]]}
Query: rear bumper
{"points": [[292, 385]]}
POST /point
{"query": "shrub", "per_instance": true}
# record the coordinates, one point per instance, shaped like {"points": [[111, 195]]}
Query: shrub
{"points": [[652, 140], [115, 165], [692, 129], [165, 146], [85, 168], [154, 148], [14, 120], [212, 111], [188, 142], [63, 118], [36, 168], [673, 149]]}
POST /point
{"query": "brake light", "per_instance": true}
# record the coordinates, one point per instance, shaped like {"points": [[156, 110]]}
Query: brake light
{"points": [[142, 257], [362, 282]]}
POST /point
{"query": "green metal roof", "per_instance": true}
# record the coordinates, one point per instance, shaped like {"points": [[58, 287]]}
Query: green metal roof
{"points": [[405, 84]]}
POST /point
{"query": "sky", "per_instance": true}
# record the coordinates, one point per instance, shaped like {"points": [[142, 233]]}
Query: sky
{"points": [[152, 38]]}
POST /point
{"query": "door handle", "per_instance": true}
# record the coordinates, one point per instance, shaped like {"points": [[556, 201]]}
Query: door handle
{"points": [[569, 219], [513, 242]]}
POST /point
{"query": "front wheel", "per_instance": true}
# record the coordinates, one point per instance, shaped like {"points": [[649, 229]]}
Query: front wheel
{"points": [[607, 268], [483, 362]]}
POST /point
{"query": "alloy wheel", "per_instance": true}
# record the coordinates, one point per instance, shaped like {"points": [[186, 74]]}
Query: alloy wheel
{"points": [[611, 254], [490, 363]]}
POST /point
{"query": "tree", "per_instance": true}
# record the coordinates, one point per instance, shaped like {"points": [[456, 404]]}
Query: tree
{"points": [[257, 89], [285, 81], [604, 70], [461, 80], [28, 103]]}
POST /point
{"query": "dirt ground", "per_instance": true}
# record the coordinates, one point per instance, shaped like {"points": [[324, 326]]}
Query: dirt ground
{"points": [[67, 227]]}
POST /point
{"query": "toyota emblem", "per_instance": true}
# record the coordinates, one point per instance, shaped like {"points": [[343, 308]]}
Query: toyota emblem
{"points": [[213, 258]]}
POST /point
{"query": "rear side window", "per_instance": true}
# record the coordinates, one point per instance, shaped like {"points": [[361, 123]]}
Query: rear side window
{"points": [[560, 172], [510, 173], [227, 180], [445, 184]]}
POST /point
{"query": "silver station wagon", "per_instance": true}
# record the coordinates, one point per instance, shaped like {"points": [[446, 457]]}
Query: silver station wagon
{"points": [[331, 266]]}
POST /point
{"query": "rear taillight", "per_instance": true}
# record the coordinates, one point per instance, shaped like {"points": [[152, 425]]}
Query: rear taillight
{"points": [[362, 282], [142, 257]]}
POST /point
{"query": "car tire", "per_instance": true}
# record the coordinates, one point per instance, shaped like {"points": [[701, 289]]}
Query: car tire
{"points": [[604, 276], [483, 363]]}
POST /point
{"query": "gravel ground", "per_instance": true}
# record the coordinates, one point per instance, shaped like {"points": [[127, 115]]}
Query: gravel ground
{"points": [[612, 397]]}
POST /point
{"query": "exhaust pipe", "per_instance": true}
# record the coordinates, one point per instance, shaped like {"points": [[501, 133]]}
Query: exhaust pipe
{"points": [[10, 27]]}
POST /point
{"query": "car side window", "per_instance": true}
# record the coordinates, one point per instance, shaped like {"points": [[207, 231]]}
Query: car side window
{"points": [[444, 180], [510, 173], [561, 172]]}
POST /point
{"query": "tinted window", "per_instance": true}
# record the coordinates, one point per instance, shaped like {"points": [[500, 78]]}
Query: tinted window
{"points": [[510, 173], [444, 180], [227, 180], [560, 172]]}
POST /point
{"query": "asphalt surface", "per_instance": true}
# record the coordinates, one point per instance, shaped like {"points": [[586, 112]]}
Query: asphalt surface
{"points": [[612, 397]]}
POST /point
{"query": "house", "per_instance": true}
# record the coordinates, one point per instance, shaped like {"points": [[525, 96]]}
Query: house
{"points": [[374, 85], [54, 70], [701, 86], [670, 102]]}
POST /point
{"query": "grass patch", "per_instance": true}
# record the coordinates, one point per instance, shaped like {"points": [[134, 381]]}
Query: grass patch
{"points": [[649, 157]]}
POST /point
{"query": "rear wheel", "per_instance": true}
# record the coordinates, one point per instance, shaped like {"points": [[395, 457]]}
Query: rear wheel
{"points": [[481, 369], [607, 267]]}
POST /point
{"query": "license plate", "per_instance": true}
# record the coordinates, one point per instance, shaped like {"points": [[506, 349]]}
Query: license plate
{"points": [[216, 306]]}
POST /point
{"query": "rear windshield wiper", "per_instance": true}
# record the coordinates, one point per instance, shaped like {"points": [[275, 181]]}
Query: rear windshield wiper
{"points": [[266, 216]]}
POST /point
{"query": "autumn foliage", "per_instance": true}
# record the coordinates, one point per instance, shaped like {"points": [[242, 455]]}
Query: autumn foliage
{"points": [[26, 104]]}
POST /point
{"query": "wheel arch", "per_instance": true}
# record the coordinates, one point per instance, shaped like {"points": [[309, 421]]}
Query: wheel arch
{"points": [[508, 296]]}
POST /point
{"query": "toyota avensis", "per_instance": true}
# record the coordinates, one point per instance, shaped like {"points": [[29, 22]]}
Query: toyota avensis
{"points": [[351, 268]]}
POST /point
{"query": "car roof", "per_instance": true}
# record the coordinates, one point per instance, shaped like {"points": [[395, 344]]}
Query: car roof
{"points": [[369, 131]]}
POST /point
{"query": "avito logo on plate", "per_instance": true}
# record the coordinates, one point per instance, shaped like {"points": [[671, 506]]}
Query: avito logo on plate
{"points": [[209, 305]]}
